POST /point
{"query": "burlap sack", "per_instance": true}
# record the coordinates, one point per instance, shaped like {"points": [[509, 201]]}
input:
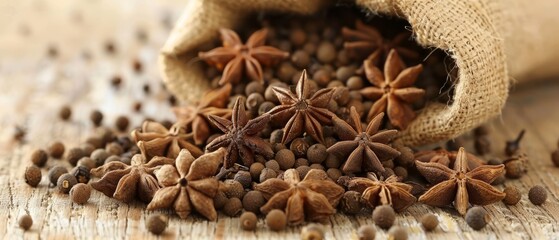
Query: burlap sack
{"points": [[489, 39]]}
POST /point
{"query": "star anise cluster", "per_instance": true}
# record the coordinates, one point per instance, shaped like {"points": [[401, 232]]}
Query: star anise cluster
{"points": [[234, 57], [160, 141], [388, 192], [447, 158]]}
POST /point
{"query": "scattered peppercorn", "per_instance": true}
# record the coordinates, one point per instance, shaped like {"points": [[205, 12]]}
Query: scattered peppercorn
{"points": [[65, 182], [81, 173], [233, 189], [366, 232], [429, 222], [317, 153], [87, 162], [384, 216], [116, 81], [299, 147], [25, 221], [537, 195], [74, 155], [334, 174], [255, 170], [33, 175], [80, 193], [266, 174], [477, 218], [96, 117], [351, 202], [99, 156], [512, 196], [285, 159], [114, 148], [39, 157], [122, 123], [87, 148], [156, 223], [220, 200], [233, 207], [65, 113], [397, 233], [55, 173], [244, 178], [276, 220], [515, 167], [248, 221], [312, 231], [253, 200]]}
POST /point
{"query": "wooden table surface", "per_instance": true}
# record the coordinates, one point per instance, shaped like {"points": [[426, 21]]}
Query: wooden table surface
{"points": [[33, 87]]}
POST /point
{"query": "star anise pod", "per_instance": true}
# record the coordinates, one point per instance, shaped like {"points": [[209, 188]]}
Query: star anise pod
{"points": [[392, 91], [459, 185], [447, 158], [125, 182], [366, 39], [365, 149], [314, 198], [188, 185], [241, 136], [388, 192], [194, 118], [300, 112], [234, 56], [160, 141]]}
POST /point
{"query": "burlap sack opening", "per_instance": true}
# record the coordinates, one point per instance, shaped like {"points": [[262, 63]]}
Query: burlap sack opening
{"points": [[487, 39]]}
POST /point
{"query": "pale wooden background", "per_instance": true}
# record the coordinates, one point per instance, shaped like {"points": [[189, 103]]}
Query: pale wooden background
{"points": [[33, 87]]}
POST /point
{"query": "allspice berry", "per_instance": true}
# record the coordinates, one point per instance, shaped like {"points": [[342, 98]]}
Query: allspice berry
{"points": [[25, 221], [397, 233], [233, 189], [65, 113], [384, 216], [56, 150], [255, 170], [253, 200], [33, 175], [477, 218], [285, 159], [312, 231], [80, 193], [512, 196], [299, 147], [121, 123], [273, 164], [99, 156], [351, 202], [81, 173], [156, 223], [74, 155], [220, 200], [55, 172], [555, 158], [537, 195], [317, 153], [65, 182], [266, 174], [326, 52], [96, 117], [276, 220], [244, 178], [366, 232], [248, 221], [39, 157], [232, 207], [429, 222]]}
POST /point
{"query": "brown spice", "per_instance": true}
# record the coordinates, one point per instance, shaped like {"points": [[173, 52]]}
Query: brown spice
{"points": [[317, 153], [157, 223], [65, 113], [266, 174], [96, 117], [513, 146], [81, 174], [220, 200], [80, 193], [233, 189], [99, 156], [121, 123], [397, 233], [555, 158], [255, 170], [74, 155], [39, 157], [232, 207], [312, 231], [32, 175], [513, 196], [429, 222], [87, 149], [383, 192], [244, 178], [384, 216], [482, 145], [55, 173], [253, 201], [366, 232], [285, 159], [114, 148], [87, 162], [477, 218], [351, 202], [116, 81], [65, 182], [537, 195], [276, 220], [25, 221], [516, 166], [334, 174], [273, 164], [248, 221], [326, 52]]}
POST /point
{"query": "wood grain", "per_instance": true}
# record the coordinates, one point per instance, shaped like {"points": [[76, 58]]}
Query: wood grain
{"points": [[33, 87]]}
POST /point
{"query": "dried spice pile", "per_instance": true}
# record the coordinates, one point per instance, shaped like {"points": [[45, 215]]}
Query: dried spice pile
{"points": [[301, 124]]}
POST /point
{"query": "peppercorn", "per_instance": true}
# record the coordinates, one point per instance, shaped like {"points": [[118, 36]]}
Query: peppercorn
{"points": [[499, 180], [300, 59], [96, 117], [429, 222], [276, 220], [351, 202], [156, 223], [322, 77], [81, 173], [56, 149], [255, 170], [266, 174], [401, 172], [65, 182], [244, 178], [276, 136], [265, 107], [116, 81], [317, 166], [299, 147], [482, 145], [515, 167], [273, 164], [86, 162], [220, 199], [232, 207], [80, 193], [512, 196], [303, 170], [384, 216], [301, 162], [397, 233], [537, 195], [113, 158], [122, 123], [388, 164], [297, 36], [253, 102], [74, 155], [233, 189], [317, 153], [253, 200], [248, 221], [334, 173], [97, 142], [25, 221], [99, 156], [254, 87], [114, 148], [512, 147], [343, 181], [326, 52], [55, 173], [65, 113], [87, 148], [285, 159], [477, 218], [354, 83], [32, 175], [39, 157], [555, 158], [312, 231], [19, 133], [366, 232]]}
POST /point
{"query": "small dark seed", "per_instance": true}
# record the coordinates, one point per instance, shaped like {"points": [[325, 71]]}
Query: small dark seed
{"points": [[537, 195], [429, 222], [248, 221], [65, 182], [253, 200], [80, 193], [156, 223], [397, 233], [232, 207], [384, 216], [33, 175], [366, 232], [39, 157], [276, 220], [477, 218], [65, 113], [55, 173], [96, 117], [512, 196], [25, 221]]}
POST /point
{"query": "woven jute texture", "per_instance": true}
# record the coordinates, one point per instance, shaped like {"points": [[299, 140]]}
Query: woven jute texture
{"points": [[489, 39]]}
